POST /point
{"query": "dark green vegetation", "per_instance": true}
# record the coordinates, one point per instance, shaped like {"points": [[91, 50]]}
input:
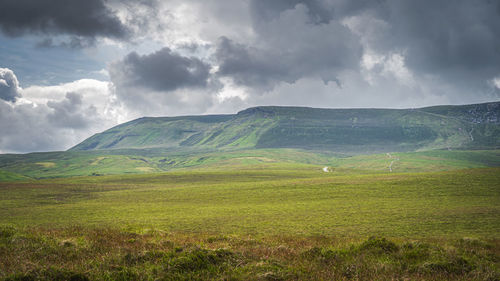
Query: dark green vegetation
{"points": [[272, 222], [341, 130]]}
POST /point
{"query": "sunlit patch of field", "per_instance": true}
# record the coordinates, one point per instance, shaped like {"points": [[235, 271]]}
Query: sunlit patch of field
{"points": [[97, 160], [145, 169], [46, 164]]}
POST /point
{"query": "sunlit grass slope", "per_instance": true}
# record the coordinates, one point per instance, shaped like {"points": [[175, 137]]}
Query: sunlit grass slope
{"points": [[354, 131]]}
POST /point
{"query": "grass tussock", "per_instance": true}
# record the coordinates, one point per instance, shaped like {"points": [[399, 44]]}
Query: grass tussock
{"points": [[81, 254]]}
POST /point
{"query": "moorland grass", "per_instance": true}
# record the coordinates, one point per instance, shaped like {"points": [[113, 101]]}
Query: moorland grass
{"points": [[81, 253]]}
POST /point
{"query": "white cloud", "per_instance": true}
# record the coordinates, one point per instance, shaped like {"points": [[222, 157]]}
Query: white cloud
{"points": [[9, 86], [92, 89], [58, 117], [390, 66], [230, 90], [496, 82]]}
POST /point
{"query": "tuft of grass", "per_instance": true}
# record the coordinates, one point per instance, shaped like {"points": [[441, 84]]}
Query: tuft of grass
{"points": [[378, 245], [453, 266], [6, 232]]}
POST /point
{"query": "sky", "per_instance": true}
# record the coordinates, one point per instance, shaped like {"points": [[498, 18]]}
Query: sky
{"points": [[72, 68]]}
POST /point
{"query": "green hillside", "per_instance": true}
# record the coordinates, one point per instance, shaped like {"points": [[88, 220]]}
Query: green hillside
{"points": [[108, 162], [150, 132], [482, 121], [351, 131]]}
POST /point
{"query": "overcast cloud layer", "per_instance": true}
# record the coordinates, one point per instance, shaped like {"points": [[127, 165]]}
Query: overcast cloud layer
{"points": [[177, 57]]}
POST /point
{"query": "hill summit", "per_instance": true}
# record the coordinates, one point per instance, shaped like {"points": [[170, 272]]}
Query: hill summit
{"points": [[475, 126]]}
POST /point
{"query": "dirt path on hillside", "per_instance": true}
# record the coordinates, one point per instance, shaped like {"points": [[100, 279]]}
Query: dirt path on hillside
{"points": [[394, 159], [470, 134]]}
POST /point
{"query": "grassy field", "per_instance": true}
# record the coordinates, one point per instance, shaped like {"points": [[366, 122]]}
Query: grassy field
{"points": [[268, 199], [259, 221]]}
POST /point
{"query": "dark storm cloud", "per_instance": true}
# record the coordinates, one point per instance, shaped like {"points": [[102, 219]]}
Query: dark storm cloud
{"points": [[74, 42], [163, 70], [89, 18], [247, 65], [265, 10], [457, 42], [289, 46], [162, 82], [9, 86], [442, 35], [319, 11]]}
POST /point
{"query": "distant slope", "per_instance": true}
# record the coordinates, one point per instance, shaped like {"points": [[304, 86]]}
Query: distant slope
{"points": [[483, 113], [482, 120], [106, 162], [151, 132], [352, 131]]}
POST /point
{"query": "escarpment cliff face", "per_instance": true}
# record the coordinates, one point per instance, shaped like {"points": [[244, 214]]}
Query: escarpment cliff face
{"points": [[340, 130]]}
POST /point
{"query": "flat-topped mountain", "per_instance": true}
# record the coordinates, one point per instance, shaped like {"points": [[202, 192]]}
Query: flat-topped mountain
{"points": [[342, 130]]}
